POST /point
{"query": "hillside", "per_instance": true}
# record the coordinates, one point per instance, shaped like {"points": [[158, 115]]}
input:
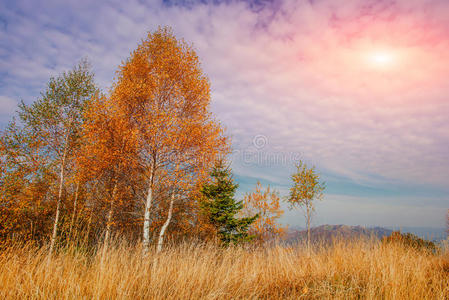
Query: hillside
{"points": [[428, 233], [329, 232]]}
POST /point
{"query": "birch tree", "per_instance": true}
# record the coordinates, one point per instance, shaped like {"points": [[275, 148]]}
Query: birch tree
{"points": [[305, 191], [164, 96], [55, 120], [107, 154]]}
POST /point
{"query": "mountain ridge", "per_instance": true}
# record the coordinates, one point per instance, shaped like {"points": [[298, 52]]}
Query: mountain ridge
{"points": [[326, 233]]}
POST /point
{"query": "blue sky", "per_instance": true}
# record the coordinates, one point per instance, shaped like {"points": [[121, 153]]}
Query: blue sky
{"points": [[357, 89]]}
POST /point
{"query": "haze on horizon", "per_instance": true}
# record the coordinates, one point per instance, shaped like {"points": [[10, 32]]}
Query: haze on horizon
{"points": [[359, 90]]}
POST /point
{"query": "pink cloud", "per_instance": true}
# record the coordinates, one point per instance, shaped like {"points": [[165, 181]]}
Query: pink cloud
{"points": [[299, 72]]}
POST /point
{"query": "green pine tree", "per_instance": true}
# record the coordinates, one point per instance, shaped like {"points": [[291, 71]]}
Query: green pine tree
{"points": [[222, 209]]}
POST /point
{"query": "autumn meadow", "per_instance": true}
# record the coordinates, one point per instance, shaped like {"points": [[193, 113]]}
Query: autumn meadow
{"points": [[128, 194]]}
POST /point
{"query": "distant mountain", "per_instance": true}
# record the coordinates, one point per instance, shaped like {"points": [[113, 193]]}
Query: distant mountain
{"points": [[326, 233]]}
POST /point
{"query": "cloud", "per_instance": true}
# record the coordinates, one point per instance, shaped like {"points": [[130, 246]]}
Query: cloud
{"points": [[297, 72], [8, 106]]}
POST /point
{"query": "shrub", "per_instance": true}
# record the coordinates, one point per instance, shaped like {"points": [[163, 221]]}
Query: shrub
{"points": [[410, 240]]}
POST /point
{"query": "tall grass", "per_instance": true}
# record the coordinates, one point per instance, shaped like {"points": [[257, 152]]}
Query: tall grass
{"points": [[360, 269]]}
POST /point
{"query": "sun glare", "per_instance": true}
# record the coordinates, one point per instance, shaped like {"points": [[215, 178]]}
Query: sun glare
{"points": [[381, 59]]}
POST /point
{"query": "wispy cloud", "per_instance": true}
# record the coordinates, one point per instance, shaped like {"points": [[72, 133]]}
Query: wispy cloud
{"points": [[295, 72]]}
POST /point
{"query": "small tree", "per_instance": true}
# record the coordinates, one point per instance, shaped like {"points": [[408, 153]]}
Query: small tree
{"points": [[305, 191], [221, 208], [265, 203]]}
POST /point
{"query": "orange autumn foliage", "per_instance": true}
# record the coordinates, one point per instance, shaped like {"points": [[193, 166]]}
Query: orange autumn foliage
{"points": [[25, 186], [108, 159], [265, 203], [135, 156], [160, 104]]}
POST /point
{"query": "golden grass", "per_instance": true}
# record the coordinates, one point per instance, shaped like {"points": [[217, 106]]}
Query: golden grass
{"points": [[361, 269]]}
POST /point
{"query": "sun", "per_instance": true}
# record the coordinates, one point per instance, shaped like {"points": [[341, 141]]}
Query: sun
{"points": [[381, 59]]}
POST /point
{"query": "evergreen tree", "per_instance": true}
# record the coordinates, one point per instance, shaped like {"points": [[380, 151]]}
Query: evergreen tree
{"points": [[222, 209]]}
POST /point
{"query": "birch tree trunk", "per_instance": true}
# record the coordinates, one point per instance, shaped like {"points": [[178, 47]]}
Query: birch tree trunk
{"points": [[108, 224], [58, 205], [308, 229], [146, 221], [72, 221], [164, 227], [110, 214]]}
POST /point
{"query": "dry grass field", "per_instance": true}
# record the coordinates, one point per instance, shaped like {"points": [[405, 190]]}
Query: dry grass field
{"points": [[361, 269]]}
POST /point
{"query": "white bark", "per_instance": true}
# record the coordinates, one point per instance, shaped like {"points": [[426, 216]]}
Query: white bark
{"points": [[146, 221], [308, 228], [164, 227], [72, 221], [108, 224], [110, 214], [58, 205]]}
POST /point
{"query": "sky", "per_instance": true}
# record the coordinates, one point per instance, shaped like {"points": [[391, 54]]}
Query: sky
{"points": [[357, 88]]}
